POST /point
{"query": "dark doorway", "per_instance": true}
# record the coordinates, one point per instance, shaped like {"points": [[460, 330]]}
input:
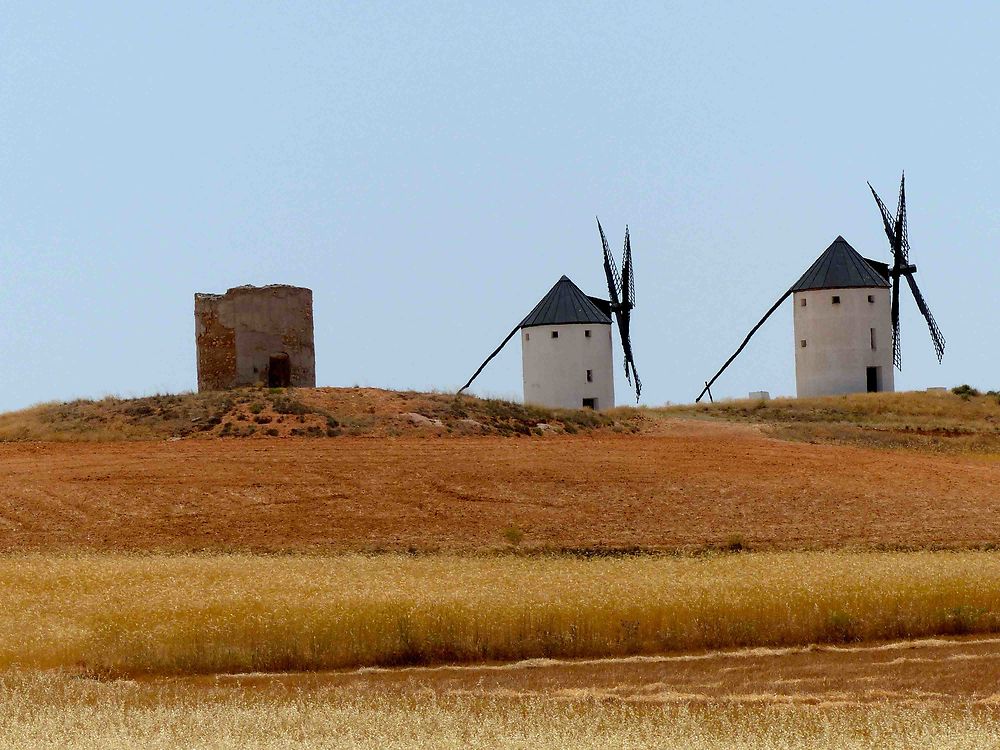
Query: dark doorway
{"points": [[279, 371], [590, 403], [872, 379]]}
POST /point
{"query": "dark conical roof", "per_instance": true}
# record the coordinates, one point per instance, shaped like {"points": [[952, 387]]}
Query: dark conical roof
{"points": [[839, 267], [564, 303]]}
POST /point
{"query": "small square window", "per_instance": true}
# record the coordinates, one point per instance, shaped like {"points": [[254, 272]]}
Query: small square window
{"points": [[836, 299], [527, 336], [802, 343], [587, 334], [871, 297], [555, 334], [590, 376], [803, 303]]}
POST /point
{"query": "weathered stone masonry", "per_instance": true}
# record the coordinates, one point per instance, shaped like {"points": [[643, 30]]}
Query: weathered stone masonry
{"points": [[255, 336]]}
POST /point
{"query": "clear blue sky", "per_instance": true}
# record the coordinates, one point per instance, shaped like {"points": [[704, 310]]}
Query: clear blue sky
{"points": [[431, 170]]}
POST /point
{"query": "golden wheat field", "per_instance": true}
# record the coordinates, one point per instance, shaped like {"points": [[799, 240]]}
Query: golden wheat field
{"points": [[134, 615], [56, 711]]}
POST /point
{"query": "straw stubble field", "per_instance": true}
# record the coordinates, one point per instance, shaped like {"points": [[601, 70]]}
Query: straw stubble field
{"points": [[46, 712]]}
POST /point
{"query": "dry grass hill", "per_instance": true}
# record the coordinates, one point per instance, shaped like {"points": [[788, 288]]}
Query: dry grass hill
{"points": [[962, 420], [967, 421], [303, 412]]}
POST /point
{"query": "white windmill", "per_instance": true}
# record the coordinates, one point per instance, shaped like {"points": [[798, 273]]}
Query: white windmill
{"points": [[566, 349], [845, 318]]}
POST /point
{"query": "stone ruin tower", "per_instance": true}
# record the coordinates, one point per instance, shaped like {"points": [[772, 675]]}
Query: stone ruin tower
{"points": [[255, 336]]}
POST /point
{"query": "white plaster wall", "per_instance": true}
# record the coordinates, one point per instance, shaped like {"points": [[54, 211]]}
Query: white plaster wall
{"points": [[555, 369], [838, 341]]}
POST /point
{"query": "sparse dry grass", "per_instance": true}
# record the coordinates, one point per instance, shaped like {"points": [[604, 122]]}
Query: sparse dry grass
{"points": [[54, 711], [111, 418], [935, 421], [207, 614], [298, 412]]}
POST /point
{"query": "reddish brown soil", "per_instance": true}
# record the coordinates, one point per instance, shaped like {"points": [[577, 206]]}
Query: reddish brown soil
{"points": [[690, 485]]}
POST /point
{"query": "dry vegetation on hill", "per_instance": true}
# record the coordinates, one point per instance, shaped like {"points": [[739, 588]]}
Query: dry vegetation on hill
{"points": [[302, 412], [940, 421]]}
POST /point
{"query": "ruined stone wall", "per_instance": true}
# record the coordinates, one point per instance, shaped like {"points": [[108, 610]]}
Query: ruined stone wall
{"points": [[238, 333]]}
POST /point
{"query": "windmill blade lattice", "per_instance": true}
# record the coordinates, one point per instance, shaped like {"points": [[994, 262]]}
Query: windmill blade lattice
{"points": [[628, 278], [899, 243], [621, 291], [887, 221], [936, 336], [610, 268], [897, 349], [904, 241]]}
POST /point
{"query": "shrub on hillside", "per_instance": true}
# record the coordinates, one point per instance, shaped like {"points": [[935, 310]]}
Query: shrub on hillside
{"points": [[289, 405], [965, 390]]}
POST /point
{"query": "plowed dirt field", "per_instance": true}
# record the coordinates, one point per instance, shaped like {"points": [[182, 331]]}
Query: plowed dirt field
{"points": [[687, 485]]}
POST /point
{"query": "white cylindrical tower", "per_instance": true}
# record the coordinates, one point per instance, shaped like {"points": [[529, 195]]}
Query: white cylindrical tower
{"points": [[566, 351], [843, 329]]}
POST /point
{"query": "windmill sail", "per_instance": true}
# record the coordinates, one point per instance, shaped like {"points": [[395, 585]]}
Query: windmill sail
{"points": [[610, 269], [621, 291], [899, 244], [936, 337]]}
